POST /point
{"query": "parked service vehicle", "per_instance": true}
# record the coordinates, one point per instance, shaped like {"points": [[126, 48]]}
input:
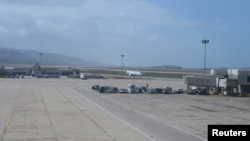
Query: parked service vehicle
{"points": [[179, 91], [144, 89], [133, 89], [108, 89], [103, 88], [167, 90], [152, 91], [82, 76], [123, 91], [155, 91], [96, 87], [194, 90], [111, 90]]}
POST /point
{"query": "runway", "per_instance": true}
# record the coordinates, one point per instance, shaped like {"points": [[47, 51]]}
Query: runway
{"points": [[67, 109]]}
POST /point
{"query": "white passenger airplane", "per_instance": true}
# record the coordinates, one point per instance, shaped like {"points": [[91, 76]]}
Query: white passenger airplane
{"points": [[133, 73]]}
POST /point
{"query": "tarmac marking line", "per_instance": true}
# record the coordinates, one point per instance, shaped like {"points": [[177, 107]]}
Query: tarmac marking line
{"points": [[169, 123], [20, 92], [47, 112], [91, 119], [123, 121]]}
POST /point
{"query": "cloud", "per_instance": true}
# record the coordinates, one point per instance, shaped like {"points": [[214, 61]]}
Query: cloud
{"points": [[44, 2], [109, 15], [13, 24], [22, 32], [3, 30], [79, 27]]}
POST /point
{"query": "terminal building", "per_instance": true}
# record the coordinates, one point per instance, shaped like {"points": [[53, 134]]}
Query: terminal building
{"points": [[224, 81], [38, 71]]}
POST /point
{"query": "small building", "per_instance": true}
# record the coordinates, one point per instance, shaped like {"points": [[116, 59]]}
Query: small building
{"points": [[2, 71], [18, 71], [70, 72], [46, 72]]}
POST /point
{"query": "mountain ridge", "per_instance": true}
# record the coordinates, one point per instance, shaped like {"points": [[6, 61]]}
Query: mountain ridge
{"points": [[12, 56]]}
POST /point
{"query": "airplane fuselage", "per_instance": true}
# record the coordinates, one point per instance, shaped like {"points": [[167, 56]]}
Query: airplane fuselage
{"points": [[133, 73]]}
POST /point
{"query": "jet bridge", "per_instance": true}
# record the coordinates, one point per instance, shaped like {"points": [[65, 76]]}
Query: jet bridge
{"points": [[200, 81], [204, 82], [227, 82]]}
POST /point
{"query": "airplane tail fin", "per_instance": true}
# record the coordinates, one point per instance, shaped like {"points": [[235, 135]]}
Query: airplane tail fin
{"points": [[125, 69]]}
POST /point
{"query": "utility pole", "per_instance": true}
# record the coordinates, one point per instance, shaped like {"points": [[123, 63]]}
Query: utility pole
{"points": [[205, 42], [122, 64], [41, 55]]}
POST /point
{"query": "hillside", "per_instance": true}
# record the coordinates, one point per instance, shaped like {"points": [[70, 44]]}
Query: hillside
{"points": [[10, 56]]}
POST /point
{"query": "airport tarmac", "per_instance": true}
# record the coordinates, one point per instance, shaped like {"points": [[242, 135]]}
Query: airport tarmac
{"points": [[69, 110]]}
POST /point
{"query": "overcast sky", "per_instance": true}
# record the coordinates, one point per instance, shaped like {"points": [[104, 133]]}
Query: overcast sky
{"points": [[147, 32]]}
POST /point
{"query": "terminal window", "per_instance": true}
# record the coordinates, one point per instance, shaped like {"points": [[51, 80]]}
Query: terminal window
{"points": [[248, 79]]}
